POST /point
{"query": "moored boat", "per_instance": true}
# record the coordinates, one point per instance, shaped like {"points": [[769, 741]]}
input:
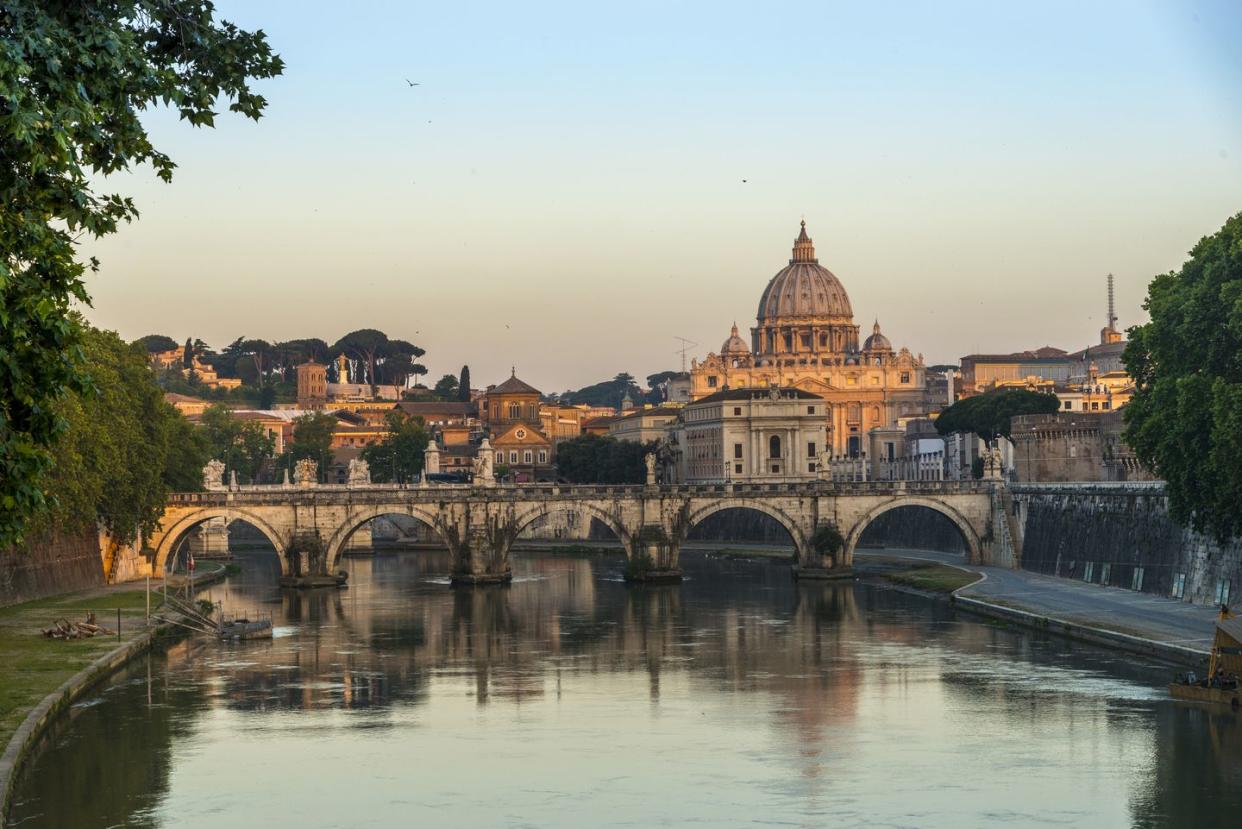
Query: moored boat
{"points": [[246, 626], [1220, 686]]}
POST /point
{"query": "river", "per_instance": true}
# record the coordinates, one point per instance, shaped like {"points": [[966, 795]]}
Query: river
{"points": [[738, 698]]}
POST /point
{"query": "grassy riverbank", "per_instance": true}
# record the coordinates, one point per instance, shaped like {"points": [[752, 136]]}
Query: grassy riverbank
{"points": [[930, 576], [34, 666]]}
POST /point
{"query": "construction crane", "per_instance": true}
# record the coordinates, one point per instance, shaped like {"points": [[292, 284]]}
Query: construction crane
{"points": [[686, 345]]}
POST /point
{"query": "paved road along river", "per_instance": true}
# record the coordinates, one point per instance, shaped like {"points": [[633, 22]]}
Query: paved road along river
{"points": [[739, 698]]}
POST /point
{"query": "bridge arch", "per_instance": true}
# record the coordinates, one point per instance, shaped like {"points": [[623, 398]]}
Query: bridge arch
{"points": [[527, 517], [341, 535], [170, 538], [697, 515], [974, 546]]}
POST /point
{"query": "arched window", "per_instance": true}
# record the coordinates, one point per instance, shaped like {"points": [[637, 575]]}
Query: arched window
{"points": [[774, 446], [527, 457], [514, 411]]}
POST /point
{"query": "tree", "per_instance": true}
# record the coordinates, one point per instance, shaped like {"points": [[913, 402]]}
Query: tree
{"points": [[608, 393], [598, 459], [243, 446], [74, 79], [154, 343], [987, 415], [291, 353], [123, 448], [312, 438], [399, 456], [463, 385], [446, 387], [399, 362], [1185, 418], [187, 355], [365, 344]]}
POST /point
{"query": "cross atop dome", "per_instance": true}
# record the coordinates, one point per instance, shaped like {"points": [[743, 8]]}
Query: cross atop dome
{"points": [[803, 249]]}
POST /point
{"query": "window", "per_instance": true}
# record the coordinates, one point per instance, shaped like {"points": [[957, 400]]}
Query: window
{"points": [[1222, 591], [737, 411], [1095, 407], [875, 380], [737, 450], [905, 377], [810, 449], [823, 340], [737, 468], [711, 381], [514, 411], [774, 446], [806, 340], [1088, 571], [1179, 585], [851, 381], [776, 469], [1106, 405], [1136, 579], [810, 410], [528, 457], [512, 456], [543, 458], [853, 413], [1069, 404]]}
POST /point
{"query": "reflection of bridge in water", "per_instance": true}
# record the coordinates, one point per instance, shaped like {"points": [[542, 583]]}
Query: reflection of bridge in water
{"points": [[311, 526]]}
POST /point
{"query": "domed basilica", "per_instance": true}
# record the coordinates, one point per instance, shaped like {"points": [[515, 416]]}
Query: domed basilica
{"points": [[805, 337]]}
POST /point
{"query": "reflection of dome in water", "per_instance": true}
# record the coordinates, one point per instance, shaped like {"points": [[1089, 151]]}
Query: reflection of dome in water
{"points": [[735, 344], [877, 341], [804, 289]]}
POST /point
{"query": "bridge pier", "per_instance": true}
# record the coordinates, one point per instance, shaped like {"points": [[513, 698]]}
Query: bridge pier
{"points": [[653, 556], [482, 556]]}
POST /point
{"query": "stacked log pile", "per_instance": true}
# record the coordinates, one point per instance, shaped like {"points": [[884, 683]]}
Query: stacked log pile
{"points": [[64, 629]]}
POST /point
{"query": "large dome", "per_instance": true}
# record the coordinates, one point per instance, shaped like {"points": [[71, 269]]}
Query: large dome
{"points": [[804, 289]]}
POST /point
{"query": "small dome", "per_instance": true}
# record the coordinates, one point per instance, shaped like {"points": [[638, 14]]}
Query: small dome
{"points": [[735, 344], [877, 341]]}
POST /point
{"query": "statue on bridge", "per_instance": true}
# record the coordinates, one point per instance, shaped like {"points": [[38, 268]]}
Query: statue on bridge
{"points": [[484, 471], [213, 476], [306, 472], [359, 472]]}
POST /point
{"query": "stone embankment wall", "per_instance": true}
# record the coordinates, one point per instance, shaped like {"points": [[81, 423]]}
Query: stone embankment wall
{"points": [[1122, 535], [50, 564]]}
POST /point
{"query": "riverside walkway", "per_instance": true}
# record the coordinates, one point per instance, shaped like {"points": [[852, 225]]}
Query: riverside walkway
{"points": [[1144, 615]]}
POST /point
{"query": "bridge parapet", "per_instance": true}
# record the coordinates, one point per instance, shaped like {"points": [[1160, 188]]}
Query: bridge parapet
{"points": [[479, 524]]}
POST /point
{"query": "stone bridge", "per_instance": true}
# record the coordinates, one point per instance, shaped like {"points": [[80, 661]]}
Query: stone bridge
{"points": [[310, 525]]}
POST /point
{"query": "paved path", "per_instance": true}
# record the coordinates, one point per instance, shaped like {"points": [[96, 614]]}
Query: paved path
{"points": [[1112, 608]]}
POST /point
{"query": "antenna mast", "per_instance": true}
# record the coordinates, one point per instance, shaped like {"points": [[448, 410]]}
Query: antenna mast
{"points": [[1112, 316], [686, 345]]}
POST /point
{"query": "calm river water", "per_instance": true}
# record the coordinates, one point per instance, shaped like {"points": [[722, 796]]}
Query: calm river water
{"points": [[739, 698]]}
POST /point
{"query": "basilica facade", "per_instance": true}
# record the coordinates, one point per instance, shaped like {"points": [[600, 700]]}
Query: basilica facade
{"points": [[805, 338]]}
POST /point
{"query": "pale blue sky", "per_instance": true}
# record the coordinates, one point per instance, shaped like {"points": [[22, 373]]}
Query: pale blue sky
{"points": [[564, 191]]}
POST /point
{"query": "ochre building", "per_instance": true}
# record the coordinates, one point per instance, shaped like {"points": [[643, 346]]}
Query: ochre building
{"points": [[805, 338]]}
